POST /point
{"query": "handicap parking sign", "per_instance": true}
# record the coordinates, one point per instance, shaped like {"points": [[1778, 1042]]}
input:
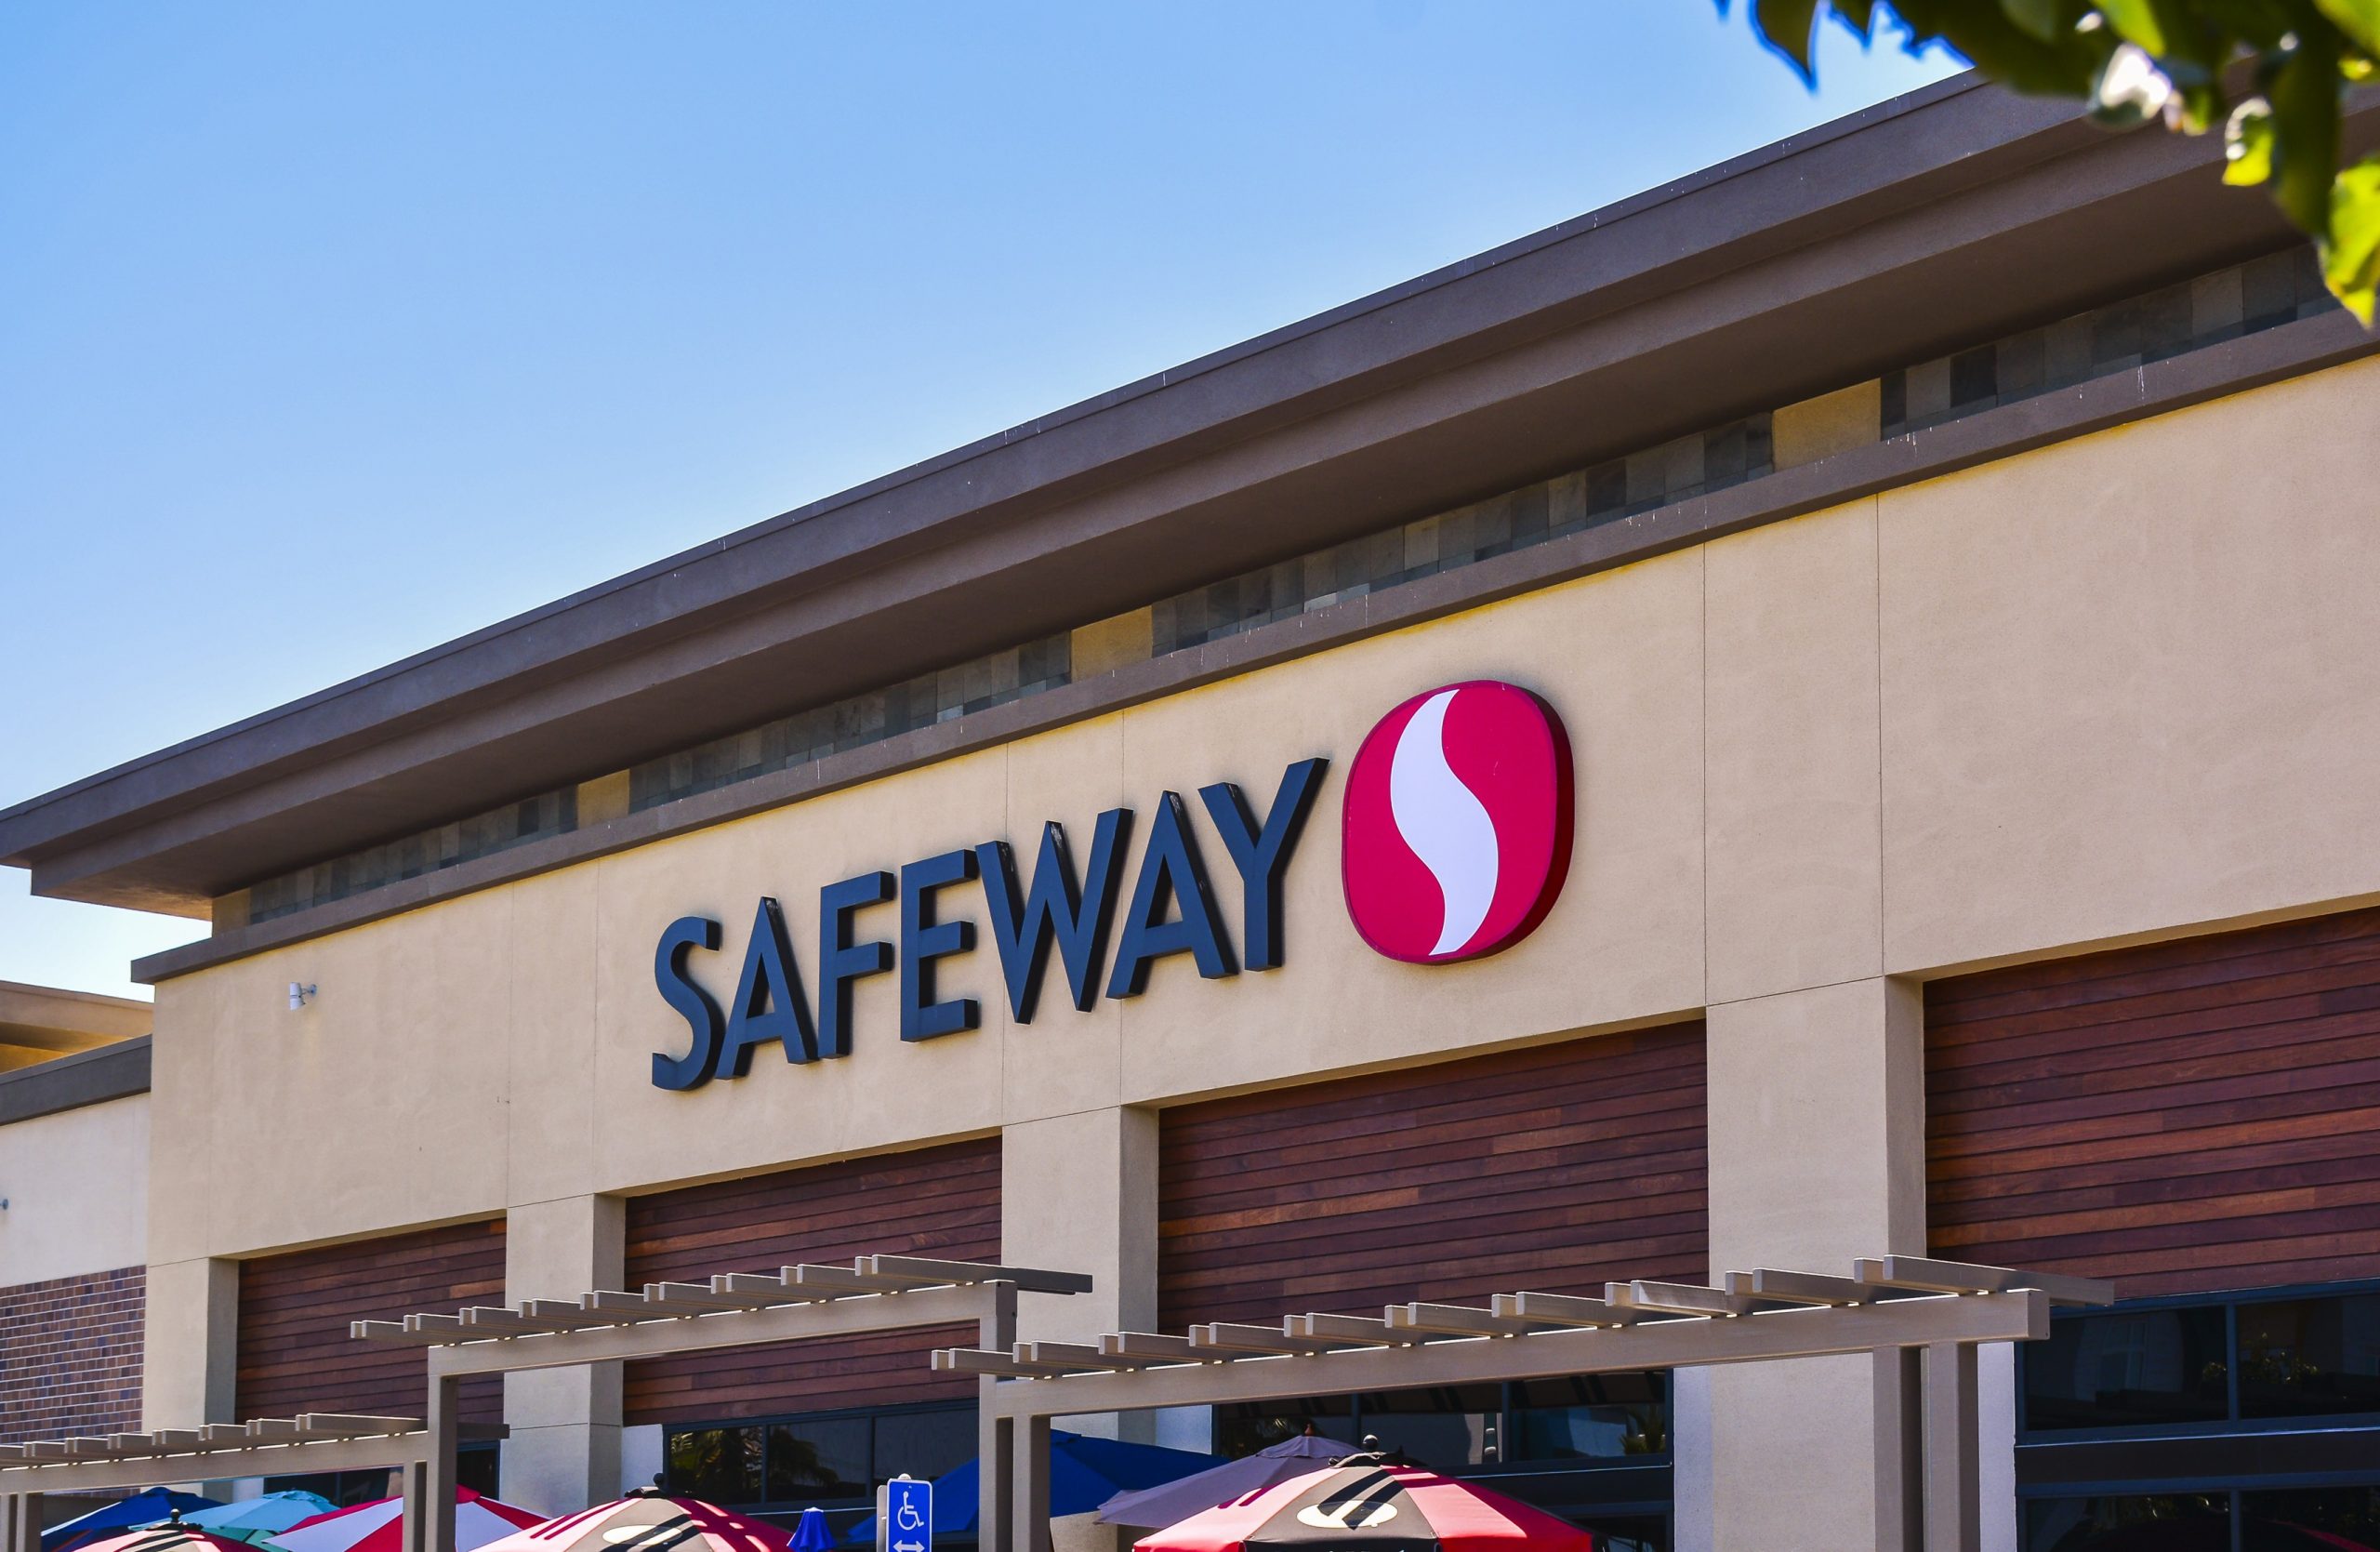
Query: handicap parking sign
{"points": [[904, 1522]]}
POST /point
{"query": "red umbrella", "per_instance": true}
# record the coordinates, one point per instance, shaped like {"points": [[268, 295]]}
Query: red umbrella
{"points": [[172, 1536], [378, 1526], [1369, 1505], [647, 1522]]}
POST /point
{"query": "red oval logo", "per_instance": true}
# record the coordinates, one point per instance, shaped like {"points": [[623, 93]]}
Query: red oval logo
{"points": [[1455, 829]]}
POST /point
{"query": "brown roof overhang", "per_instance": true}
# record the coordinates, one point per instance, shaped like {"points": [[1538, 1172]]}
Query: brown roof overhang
{"points": [[1953, 214]]}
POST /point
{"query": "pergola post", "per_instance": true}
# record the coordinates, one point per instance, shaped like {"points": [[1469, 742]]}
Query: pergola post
{"points": [[995, 1434], [1954, 1450], [22, 1522], [438, 1471], [1032, 1471], [415, 1486]]}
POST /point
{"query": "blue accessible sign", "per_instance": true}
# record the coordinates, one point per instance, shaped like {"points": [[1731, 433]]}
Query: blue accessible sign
{"points": [[904, 1521]]}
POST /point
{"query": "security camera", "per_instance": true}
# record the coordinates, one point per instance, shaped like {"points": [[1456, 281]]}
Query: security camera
{"points": [[297, 995]]}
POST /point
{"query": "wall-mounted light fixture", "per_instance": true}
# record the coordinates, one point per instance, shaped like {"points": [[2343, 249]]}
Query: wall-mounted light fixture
{"points": [[298, 995]]}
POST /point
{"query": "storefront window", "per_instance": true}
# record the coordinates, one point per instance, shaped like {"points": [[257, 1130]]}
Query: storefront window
{"points": [[1583, 1420], [721, 1466], [2342, 1518], [1446, 1428], [833, 1460], [2146, 1522], [2302, 1358], [924, 1444], [818, 1458], [2237, 1424], [2128, 1369], [1590, 1417], [1244, 1429]]}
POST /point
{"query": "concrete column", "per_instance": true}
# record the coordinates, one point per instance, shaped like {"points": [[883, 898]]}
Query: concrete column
{"points": [[565, 1450], [1079, 1193], [1817, 1130], [190, 1343]]}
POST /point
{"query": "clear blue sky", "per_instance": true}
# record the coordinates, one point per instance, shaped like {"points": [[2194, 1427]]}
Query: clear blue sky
{"points": [[330, 332]]}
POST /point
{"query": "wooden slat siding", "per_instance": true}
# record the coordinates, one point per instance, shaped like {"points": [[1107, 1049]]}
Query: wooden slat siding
{"points": [[1551, 1169], [294, 1354], [2182, 1118], [941, 1201]]}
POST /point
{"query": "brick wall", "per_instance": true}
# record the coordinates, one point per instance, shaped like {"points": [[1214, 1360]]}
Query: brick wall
{"points": [[73, 1349]]}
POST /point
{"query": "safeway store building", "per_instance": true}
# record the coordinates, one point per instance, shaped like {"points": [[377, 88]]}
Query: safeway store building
{"points": [[1829, 709]]}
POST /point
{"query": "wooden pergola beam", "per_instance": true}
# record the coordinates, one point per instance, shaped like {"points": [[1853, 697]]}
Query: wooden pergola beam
{"points": [[1455, 1320], [1802, 1287], [1919, 1274], [1564, 1309], [921, 1272]]}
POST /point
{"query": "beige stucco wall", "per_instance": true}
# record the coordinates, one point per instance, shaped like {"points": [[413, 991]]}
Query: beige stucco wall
{"points": [[76, 1184], [2122, 687]]}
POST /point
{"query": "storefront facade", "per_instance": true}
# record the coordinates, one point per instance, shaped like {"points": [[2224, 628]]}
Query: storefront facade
{"points": [[1966, 843]]}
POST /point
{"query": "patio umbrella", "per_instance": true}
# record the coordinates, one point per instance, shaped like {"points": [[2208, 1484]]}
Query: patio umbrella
{"points": [[810, 1534], [172, 1536], [1177, 1500], [145, 1507], [378, 1526], [1370, 1506], [1084, 1472], [647, 1522], [256, 1519]]}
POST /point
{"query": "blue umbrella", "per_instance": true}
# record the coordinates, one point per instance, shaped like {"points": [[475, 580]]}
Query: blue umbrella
{"points": [[259, 1519], [1084, 1472], [145, 1507], [811, 1534]]}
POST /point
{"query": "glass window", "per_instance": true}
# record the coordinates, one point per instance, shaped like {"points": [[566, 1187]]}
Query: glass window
{"points": [[2162, 1523], [1445, 1428], [2309, 1357], [924, 1444], [1242, 1429], [820, 1458], [2340, 1517], [2128, 1368], [720, 1466], [1590, 1417]]}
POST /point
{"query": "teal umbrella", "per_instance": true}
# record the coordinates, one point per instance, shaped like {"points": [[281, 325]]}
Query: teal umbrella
{"points": [[259, 1520]]}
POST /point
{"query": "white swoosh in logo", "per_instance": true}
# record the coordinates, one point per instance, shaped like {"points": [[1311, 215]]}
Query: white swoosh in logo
{"points": [[1444, 822]]}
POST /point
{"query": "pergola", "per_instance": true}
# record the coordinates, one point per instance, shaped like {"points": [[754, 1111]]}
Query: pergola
{"points": [[265, 1446], [1943, 1310], [873, 1293]]}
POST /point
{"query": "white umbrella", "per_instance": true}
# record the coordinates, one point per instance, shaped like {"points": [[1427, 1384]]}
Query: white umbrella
{"points": [[377, 1526], [1169, 1501]]}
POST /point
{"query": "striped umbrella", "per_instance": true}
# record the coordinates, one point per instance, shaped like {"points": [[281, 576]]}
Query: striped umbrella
{"points": [[378, 1526], [647, 1523], [1368, 1505]]}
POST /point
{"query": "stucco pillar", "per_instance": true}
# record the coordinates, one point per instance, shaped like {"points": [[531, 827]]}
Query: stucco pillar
{"points": [[1816, 1145], [190, 1343], [565, 1449], [1079, 1193]]}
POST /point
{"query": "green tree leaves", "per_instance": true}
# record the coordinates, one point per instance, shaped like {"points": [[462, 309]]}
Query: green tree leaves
{"points": [[2174, 60]]}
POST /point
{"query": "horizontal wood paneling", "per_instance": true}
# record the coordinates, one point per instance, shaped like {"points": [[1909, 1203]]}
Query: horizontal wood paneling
{"points": [[294, 1354], [943, 1201], [1551, 1169], [2183, 1117]]}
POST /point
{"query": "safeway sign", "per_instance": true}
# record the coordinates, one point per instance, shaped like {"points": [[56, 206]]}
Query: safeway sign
{"points": [[1456, 832]]}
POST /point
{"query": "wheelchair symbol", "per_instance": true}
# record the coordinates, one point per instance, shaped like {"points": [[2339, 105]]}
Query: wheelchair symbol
{"points": [[906, 1517]]}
